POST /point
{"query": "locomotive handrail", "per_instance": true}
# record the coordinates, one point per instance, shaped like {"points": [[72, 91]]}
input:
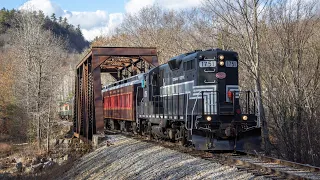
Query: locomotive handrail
{"points": [[193, 110], [186, 120], [186, 108], [256, 111], [250, 106], [137, 118]]}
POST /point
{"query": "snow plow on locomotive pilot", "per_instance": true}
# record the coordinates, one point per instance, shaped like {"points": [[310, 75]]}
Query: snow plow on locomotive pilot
{"points": [[193, 98]]}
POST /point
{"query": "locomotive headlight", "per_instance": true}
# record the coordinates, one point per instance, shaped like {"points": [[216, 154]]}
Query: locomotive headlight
{"points": [[244, 118], [209, 118], [221, 63], [221, 57]]}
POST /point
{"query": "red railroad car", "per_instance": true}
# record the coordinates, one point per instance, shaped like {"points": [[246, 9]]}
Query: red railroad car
{"points": [[119, 102]]}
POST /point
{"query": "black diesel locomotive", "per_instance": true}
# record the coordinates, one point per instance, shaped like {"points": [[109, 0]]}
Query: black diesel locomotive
{"points": [[193, 98]]}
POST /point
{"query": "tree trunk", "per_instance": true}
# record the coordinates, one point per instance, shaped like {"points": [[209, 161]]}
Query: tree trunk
{"points": [[299, 126], [265, 131], [38, 108], [49, 116], [38, 131], [262, 117]]}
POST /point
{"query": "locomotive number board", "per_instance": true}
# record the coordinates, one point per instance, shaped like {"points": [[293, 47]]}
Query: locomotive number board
{"points": [[207, 64], [231, 64]]}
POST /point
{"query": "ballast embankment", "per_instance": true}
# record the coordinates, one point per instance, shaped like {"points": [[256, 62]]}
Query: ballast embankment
{"points": [[126, 158]]}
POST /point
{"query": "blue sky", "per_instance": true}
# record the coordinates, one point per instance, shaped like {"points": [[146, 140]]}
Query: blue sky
{"points": [[96, 17], [111, 6]]}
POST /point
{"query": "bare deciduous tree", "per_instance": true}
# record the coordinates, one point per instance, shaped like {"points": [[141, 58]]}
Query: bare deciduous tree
{"points": [[39, 59], [292, 78]]}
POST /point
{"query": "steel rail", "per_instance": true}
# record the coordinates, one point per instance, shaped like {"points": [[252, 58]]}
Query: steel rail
{"points": [[284, 162], [272, 167]]}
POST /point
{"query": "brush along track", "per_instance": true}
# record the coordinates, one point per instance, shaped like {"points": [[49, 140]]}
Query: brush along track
{"points": [[257, 164]]}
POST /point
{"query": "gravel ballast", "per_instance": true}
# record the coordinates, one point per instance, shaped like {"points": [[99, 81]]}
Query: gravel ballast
{"points": [[132, 159]]}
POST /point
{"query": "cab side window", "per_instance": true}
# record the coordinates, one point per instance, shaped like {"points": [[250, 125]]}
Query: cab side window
{"points": [[188, 65]]}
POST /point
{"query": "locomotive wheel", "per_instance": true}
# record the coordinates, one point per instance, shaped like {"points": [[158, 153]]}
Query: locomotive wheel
{"points": [[183, 139], [143, 133], [122, 125], [107, 123], [111, 122], [143, 125], [149, 128], [116, 124], [134, 127], [146, 131], [127, 126]]}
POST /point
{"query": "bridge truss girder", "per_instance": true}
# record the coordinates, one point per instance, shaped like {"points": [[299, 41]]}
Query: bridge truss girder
{"points": [[120, 62]]}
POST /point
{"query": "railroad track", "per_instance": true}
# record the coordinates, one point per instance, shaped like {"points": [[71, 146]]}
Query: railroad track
{"points": [[256, 164], [271, 167]]}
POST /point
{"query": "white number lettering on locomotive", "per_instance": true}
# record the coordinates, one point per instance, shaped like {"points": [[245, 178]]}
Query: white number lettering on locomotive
{"points": [[207, 64], [231, 64]]}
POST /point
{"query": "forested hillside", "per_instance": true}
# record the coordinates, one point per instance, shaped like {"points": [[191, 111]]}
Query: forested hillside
{"points": [[58, 25]]}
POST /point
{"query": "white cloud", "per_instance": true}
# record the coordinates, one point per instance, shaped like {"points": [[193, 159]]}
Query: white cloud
{"points": [[87, 19], [133, 6], [92, 23], [114, 20], [46, 6], [99, 22], [179, 4]]}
